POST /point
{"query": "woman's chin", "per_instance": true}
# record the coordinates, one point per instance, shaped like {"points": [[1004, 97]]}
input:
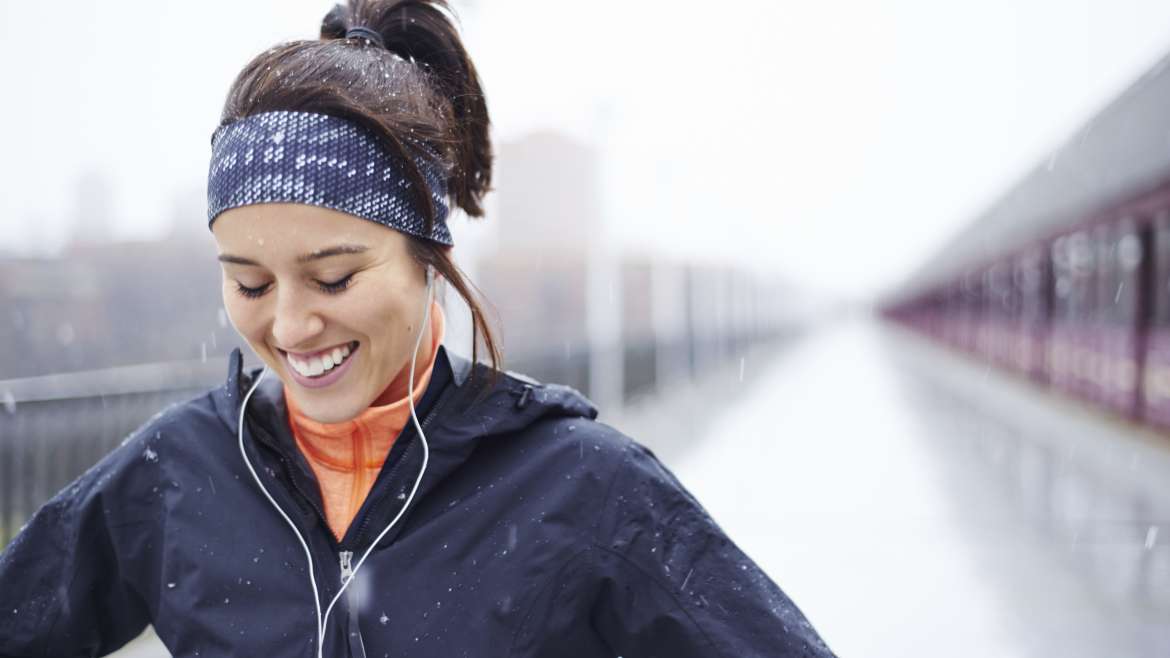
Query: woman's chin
{"points": [[329, 415], [322, 406]]}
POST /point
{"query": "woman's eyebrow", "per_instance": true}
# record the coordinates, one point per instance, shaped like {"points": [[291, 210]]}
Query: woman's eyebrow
{"points": [[304, 258]]}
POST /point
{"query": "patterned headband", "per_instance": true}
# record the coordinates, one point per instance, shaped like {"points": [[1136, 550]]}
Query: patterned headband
{"points": [[320, 160]]}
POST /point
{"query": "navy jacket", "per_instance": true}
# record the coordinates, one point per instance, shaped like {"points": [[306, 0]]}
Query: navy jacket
{"points": [[536, 531]]}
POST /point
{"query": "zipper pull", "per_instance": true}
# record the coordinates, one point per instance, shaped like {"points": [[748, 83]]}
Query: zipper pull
{"points": [[346, 567], [357, 647]]}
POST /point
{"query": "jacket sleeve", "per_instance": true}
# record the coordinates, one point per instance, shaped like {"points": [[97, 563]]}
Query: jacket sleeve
{"points": [[669, 582], [70, 581]]}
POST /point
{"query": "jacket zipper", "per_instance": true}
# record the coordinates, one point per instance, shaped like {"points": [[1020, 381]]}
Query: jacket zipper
{"points": [[346, 567], [357, 646]]}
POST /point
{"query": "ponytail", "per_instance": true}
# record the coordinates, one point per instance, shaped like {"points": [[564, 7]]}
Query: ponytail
{"points": [[423, 32]]}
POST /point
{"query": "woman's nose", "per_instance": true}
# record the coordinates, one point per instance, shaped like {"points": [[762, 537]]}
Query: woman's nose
{"points": [[296, 323]]}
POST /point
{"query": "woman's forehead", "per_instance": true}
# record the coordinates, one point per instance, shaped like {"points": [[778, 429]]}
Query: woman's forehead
{"points": [[293, 227]]}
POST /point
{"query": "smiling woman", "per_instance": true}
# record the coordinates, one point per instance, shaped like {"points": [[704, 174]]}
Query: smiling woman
{"points": [[302, 280], [378, 494]]}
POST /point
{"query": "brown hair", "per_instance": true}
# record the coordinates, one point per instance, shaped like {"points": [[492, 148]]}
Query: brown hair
{"points": [[422, 88]]}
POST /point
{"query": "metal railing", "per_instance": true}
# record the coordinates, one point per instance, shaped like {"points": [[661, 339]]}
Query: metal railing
{"points": [[54, 428]]}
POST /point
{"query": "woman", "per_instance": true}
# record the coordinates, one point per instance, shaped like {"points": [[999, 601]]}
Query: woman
{"points": [[368, 493]]}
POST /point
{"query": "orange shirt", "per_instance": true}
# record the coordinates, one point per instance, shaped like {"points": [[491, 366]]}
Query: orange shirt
{"points": [[347, 456]]}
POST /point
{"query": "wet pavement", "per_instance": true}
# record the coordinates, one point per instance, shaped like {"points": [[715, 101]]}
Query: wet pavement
{"points": [[916, 503]]}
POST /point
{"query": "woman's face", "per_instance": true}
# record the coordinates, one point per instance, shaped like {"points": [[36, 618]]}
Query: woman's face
{"points": [[289, 293]]}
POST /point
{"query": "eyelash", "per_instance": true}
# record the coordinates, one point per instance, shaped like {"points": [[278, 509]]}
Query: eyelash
{"points": [[331, 288]]}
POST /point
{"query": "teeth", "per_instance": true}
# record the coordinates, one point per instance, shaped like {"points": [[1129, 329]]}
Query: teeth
{"points": [[319, 364], [300, 367]]}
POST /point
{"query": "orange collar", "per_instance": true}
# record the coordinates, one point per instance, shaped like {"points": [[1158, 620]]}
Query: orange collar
{"points": [[366, 439]]}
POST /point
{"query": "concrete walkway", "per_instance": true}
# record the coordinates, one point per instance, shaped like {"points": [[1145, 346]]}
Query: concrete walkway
{"points": [[915, 503]]}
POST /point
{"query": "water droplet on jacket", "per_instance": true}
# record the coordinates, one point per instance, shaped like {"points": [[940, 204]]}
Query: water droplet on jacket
{"points": [[513, 533]]}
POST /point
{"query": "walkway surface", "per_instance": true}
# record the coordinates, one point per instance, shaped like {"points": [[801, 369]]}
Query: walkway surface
{"points": [[915, 503]]}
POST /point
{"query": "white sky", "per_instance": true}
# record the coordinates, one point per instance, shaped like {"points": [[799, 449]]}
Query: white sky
{"points": [[836, 142]]}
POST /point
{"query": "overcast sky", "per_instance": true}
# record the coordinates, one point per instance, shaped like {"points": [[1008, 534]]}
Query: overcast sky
{"points": [[836, 142]]}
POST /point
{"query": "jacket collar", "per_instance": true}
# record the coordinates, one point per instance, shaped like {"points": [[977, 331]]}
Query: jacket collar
{"points": [[462, 416], [513, 403]]}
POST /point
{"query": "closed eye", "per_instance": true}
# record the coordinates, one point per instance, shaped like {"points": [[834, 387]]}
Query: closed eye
{"points": [[336, 286], [333, 288]]}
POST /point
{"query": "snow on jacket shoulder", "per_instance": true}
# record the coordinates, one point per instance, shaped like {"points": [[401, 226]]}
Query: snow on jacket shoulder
{"points": [[535, 531]]}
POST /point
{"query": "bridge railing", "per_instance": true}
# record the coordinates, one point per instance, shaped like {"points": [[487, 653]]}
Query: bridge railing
{"points": [[53, 428]]}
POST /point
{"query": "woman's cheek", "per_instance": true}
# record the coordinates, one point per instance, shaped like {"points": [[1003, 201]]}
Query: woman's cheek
{"points": [[237, 313]]}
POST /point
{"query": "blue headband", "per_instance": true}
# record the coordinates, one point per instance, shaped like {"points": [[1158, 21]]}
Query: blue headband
{"points": [[320, 160]]}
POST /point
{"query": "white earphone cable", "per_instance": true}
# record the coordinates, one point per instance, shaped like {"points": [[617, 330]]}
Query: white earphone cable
{"points": [[301, 539], [323, 619]]}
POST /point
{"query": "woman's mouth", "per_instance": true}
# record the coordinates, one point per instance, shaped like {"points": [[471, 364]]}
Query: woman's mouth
{"points": [[322, 368]]}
